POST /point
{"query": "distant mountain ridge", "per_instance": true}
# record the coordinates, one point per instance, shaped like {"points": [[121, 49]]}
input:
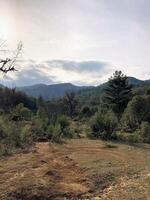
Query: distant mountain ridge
{"points": [[51, 91], [58, 90]]}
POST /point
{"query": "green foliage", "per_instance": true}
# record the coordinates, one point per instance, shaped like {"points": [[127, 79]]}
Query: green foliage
{"points": [[39, 127], [9, 98], [13, 135], [54, 133], [103, 124], [88, 111], [21, 113], [85, 111], [26, 135], [138, 110], [118, 93], [145, 132], [63, 121], [128, 121], [129, 137]]}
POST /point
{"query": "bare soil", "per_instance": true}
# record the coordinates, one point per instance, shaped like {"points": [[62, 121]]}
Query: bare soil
{"points": [[80, 169]]}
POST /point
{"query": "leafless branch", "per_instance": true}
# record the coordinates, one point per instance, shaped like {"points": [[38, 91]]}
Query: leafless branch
{"points": [[8, 64]]}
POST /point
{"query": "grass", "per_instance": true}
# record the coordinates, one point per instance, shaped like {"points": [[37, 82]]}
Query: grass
{"points": [[78, 169]]}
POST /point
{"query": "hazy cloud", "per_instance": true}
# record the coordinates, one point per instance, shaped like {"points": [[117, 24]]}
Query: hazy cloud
{"points": [[80, 67], [57, 71]]}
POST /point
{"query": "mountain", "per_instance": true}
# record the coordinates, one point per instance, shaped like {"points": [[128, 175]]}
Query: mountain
{"points": [[58, 90], [50, 91], [135, 82]]}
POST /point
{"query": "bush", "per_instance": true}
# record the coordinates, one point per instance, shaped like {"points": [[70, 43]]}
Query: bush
{"points": [[129, 137], [39, 128], [54, 133], [14, 135], [128, 121], [64, 125], [86, 111], [103, 124], [21, 113], [63, 121], [138, 110], [26, 135], [145, 132]]}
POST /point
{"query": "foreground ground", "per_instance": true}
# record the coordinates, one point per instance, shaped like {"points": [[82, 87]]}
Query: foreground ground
{"points": [[80, 169]]}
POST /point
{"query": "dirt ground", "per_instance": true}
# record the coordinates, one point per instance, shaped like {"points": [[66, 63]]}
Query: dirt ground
{"points": [[79, 169]]}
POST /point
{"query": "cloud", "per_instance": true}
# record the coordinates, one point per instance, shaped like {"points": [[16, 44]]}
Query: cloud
{"points": [[80, 67], [81, 73], [58, 71], [28, 73]]}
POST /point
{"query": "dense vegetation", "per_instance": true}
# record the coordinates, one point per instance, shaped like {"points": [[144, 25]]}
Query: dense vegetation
{"points": [[117, 111], [126, 116]]}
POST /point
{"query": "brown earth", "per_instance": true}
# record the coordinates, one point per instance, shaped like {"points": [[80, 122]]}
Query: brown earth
{"points": [[80, 169]]}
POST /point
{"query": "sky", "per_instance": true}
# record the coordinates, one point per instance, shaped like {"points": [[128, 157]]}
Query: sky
{"points": [[77, 41]]}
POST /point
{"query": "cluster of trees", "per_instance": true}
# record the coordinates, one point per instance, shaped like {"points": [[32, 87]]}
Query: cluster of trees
{"points": [[122, 114], [25, 120]]}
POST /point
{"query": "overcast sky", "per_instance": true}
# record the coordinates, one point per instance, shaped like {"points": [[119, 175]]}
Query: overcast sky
{"points": [[78, 41]]}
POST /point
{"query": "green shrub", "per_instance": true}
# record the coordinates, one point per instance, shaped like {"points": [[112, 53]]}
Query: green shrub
{"points": [[129, 137], [21, 113], [128, 122], [86, 111], [14, 135], [103, 124], [26, 135], [145, 132], [63, 121], [138, 110], [39, 128], [54, 132]]}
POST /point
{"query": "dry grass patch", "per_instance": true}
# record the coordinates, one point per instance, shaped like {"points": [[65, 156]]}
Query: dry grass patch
{"points": [[78, 169]]}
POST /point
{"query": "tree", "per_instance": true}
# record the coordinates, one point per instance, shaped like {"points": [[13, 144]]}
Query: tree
{"points": [[8, 64], [71, 102], [138, 110], [118, 93]]}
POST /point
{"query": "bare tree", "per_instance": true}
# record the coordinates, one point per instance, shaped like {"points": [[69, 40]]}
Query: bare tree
{"points": [[8, 64], [71, 102]]}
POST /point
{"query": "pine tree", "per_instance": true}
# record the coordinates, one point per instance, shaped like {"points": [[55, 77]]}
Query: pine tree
{"points": [[118, 93]]}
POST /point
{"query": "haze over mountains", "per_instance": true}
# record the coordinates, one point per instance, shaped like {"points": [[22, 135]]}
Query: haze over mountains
{"points": [[58, 90]]}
